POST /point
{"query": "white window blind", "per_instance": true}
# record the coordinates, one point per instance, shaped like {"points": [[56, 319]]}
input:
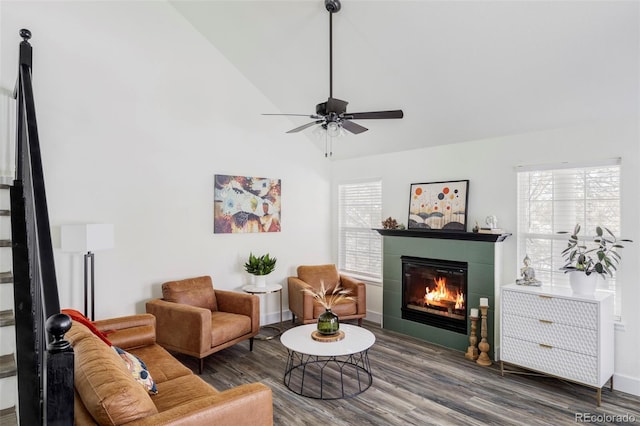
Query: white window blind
{"points": [[359, 247], [551, 200]]}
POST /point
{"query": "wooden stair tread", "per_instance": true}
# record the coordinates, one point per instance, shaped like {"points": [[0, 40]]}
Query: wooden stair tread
{"points": [[7, 318], [6, 277], [8, 417], [7, 366]]}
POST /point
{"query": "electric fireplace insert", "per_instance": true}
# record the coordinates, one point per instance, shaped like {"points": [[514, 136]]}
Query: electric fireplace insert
{"points": [[434, 292]]}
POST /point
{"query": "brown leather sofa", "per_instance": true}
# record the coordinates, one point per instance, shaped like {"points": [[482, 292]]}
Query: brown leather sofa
{"points": [[107, 394], [303, 305], [197, 320]]}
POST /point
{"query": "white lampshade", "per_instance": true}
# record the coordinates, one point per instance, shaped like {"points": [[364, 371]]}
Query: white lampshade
{"points": [[86, 237]]}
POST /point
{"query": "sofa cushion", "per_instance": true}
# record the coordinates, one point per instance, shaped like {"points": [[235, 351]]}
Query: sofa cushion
{"points": [[192, 291], [138, 370], [315, 274], [180, 391], [160, 363], [106, 388], [226, 326]]}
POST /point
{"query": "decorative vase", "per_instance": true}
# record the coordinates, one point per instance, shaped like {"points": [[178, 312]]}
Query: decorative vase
{"points": [[260, 280], [583, 284], [328, 323]]}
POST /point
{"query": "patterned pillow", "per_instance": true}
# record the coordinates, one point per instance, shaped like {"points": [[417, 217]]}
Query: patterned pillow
{"points": [[138, 370]]}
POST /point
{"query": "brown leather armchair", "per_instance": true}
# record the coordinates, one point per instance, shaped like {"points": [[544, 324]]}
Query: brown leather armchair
{"points": [[303, 305], [195, 319]]}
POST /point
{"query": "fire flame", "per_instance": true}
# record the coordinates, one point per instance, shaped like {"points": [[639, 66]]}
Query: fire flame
{"points": [[440, 293]]}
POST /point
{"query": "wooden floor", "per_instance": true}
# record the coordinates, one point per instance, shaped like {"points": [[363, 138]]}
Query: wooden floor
{"points": [[417, 383]]}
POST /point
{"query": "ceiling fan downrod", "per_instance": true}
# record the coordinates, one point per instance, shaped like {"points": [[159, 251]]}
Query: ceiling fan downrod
{"points": [[332, 115], [332, 6]]}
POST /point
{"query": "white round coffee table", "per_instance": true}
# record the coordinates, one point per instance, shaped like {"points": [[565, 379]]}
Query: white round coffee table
{"points": [[328, 370]]}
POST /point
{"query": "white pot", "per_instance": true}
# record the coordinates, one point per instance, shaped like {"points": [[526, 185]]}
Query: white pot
{"points": [[260, 280], [583, 284]]}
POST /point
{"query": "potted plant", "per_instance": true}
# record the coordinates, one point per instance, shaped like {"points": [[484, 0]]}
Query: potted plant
{"points": [[588, 260], [259, 267]]}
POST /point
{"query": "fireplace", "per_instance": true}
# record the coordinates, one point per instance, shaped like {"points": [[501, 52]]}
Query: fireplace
{"points": [[481, 253], [434, 292]]}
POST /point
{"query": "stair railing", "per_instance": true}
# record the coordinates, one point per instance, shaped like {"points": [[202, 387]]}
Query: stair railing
{"points": [[44, 358]]}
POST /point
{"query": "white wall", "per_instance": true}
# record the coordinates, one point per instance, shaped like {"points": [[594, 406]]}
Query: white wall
{"points": [[489, 165], [136, 113]]}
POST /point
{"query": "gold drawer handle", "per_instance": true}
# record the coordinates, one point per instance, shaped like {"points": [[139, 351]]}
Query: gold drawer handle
{"points": [[546, 321], [545, 346], [542, 296]]}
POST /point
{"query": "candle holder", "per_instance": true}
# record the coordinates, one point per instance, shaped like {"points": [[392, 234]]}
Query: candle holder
{"points": [[472, 350], [483, 358]]}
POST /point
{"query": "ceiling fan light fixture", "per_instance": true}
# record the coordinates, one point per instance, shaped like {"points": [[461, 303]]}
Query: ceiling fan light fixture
{"points": [[333, 129]]}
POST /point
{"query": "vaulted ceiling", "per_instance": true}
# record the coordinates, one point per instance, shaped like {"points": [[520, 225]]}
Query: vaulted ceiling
{"points": [[460, 70]]}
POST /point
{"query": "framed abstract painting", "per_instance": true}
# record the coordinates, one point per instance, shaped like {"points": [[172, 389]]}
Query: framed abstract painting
{"points": [[245, 204], [439, 205]]}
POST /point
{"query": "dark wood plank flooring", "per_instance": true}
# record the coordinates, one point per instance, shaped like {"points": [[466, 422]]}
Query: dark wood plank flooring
{"points": [[417, 383]]}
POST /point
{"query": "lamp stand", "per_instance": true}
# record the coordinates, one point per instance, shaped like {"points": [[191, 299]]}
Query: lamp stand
{"points": [[89, 264]]}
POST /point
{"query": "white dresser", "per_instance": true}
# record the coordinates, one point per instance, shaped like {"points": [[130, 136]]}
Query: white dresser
{"points": [[552, 331]]}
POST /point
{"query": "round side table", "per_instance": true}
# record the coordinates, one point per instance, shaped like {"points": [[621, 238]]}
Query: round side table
{"points": [[269, 288]]}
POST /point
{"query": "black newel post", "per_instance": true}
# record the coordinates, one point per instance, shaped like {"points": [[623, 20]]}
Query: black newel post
{"points": [[59, 373]]}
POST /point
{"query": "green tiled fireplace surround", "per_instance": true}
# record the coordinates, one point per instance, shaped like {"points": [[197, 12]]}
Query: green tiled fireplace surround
{"points": [[482, 258]]}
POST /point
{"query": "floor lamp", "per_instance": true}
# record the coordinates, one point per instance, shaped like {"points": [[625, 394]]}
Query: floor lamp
{"points": [[87, 238]]}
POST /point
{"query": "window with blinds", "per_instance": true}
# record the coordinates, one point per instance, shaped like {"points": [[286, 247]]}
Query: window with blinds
{"points": [[359, 247], [555, 199]]}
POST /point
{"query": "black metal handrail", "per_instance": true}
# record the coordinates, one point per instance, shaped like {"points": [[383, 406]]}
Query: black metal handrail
{"points": [[45, 364]]}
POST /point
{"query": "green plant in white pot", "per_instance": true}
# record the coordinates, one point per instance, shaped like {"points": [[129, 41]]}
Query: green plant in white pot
{"points": [[260, 267], [591, 258]]}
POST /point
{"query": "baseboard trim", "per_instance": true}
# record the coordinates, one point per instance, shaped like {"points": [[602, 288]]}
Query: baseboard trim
{"points": [[374, 317], [626, 384], [274, 317]]}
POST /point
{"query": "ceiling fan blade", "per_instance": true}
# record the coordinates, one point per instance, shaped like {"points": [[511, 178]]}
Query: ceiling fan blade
{"points": [[397, 113], [304, 126], [353, 127]]}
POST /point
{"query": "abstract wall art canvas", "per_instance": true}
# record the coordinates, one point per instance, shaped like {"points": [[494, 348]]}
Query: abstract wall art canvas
{"points": [[439, 205], [245, 204]]}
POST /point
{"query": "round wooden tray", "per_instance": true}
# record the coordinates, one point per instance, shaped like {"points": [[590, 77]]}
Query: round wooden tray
{"points": [[327, 338]]}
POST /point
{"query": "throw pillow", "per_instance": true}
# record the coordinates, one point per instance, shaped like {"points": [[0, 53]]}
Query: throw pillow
{"points": [[138, 370], [79, 317]]}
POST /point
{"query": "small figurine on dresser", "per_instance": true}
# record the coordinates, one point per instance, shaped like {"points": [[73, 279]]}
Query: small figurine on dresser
{"points": [[528, 274]]}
